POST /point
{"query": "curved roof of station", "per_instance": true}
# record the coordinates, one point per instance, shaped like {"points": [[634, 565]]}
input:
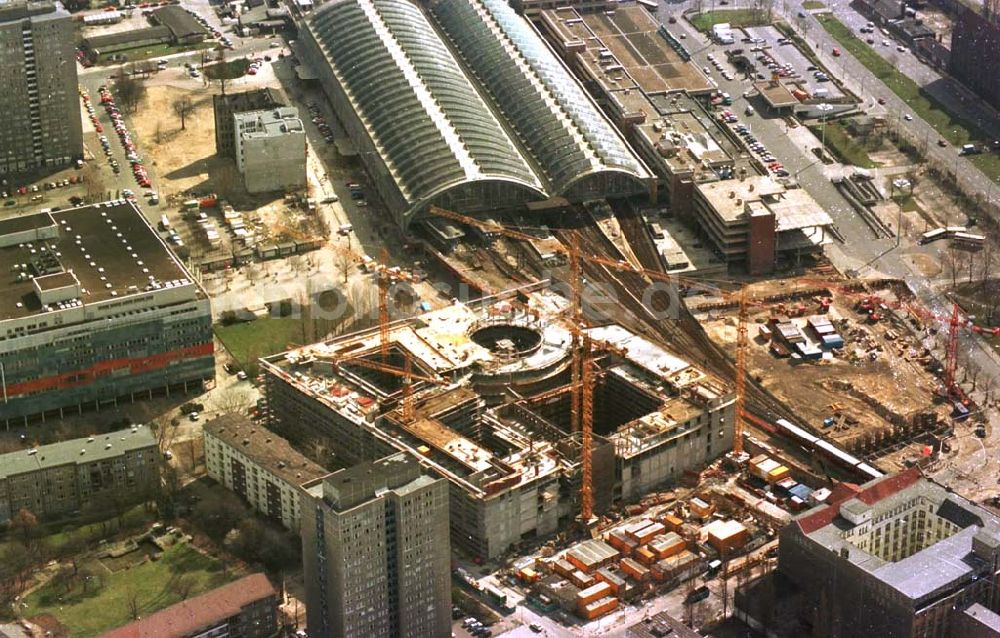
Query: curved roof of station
{"points": [[432, 128], [553, 116]]}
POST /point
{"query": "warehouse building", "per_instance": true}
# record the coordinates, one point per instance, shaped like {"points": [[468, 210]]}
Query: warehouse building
{"points": [[899, 557], [42, 126], [260, 466], [95, 309], [171, 25], [376, 557], [105, 471], [506, 126], [491, 413], [270, 149], [247, 608]]}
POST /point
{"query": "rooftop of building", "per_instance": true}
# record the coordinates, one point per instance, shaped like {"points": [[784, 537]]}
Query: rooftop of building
{"points": [[929, 569], [661, 625], [254, 100], [627, 47], [36, 10], [268, 450], [776, 93], [97, 42], [181, 23], [346, 489], [793, 208], [275, 122], [461, 347], [110, 248], [83, 450], [984, 617], [209, 609]]}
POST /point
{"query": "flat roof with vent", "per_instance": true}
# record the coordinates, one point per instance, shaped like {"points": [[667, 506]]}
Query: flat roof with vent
{"points": [[83, 450], [109, 250], [265, 448]]}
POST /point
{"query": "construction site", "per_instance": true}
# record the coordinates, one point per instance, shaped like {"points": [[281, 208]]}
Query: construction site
{"points": [[482, 393]]}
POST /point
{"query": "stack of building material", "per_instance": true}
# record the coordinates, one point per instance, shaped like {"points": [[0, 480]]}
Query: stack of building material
{"points": [[590, 594], [581, 579], [647, 533], [563, 567], [672, 523], [727, 536], [618, 539], [645, 556], [612, 579]]}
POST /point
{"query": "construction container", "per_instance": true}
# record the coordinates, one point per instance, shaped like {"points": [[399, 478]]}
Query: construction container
{"points": [[763, 469], [700, 508], [620, 541], [634, 569], [592, 593], [613, 580], [674, 566], [645, 556], [727, 536], [528, 575], [764, 332], [666, 545], [563, 567], [649, 532], [672, 523], [599, 608], [591, 555], [580, 579], [832, 341], [632, 529]]}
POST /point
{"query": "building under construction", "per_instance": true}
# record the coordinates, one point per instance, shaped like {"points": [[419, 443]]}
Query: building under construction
{"points": [[482, 394]]}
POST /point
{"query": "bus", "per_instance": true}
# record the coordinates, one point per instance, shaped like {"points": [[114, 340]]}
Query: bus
{"points": [[968, 239], [656, 230], [933, 235]]}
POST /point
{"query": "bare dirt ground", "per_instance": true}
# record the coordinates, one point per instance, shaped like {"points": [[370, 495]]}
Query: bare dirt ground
{"points": [[876, 376]]}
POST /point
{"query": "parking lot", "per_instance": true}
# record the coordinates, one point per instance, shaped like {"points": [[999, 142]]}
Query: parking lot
{"points": [[789, 62]]}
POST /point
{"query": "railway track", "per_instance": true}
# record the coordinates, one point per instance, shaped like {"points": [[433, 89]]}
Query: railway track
{"points": [[682, 331]]}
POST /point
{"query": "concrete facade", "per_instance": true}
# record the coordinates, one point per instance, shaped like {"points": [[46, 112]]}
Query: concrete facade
{"points": [[975, 53], [94, 309], [260, 466], [114, 469], [376, 553], [225, 106], [270, 149], [42, 123]]}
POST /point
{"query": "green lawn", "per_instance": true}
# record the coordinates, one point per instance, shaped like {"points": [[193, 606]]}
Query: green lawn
{"points": [[843, 146], [155, 51], [735, 18], [955, 130], [58, 534], [248, 341], [812, 5], [103, 608]]}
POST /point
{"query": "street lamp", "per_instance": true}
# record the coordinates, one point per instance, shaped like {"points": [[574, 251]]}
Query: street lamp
{"points": [[825, 109]]}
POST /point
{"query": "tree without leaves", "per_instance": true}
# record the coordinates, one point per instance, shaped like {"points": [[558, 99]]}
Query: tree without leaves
{"points": [[182, 106], [132, 603], [130, 90], [182, 585], [25, 525]]}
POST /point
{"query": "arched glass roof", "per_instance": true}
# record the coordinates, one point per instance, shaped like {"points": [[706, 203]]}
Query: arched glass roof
{"points": [[431, 126], [554, 118]]}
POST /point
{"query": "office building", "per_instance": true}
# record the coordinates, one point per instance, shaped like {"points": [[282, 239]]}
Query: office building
{"points": [[42, 125], [899, 557], [376, 553], [94, 310], [472, 111], [492, 412], [270, 149], [260, 466], [245, 608], [105, 471], [228, 105]]}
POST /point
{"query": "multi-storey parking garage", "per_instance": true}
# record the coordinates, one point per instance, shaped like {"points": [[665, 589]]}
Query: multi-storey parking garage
{"points": [[511, 127]]}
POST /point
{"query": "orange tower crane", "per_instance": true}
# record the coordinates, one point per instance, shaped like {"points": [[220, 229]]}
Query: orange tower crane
{"points": [[581, 410]]}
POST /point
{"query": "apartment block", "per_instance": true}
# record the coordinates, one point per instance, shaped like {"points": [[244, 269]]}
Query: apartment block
{"points": [[376, 553], [270, 149], [57, 480], [260, 466], [94, 310], [42, 121], [246, 608]]}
